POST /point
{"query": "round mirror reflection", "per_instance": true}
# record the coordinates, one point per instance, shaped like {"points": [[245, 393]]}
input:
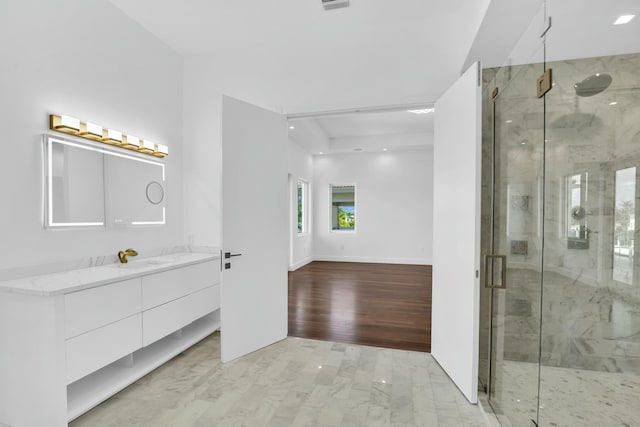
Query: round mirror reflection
{"points": [[155, 192]]}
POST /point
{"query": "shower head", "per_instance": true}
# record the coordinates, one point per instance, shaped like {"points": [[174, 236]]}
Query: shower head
{"points": [[593, 85]]}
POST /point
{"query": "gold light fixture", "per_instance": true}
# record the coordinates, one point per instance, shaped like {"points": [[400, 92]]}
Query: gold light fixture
{"points": [[65, 124], [94, 132], [146, 147], [113, 137], [131, 142], [161, 150], [89, 131]]}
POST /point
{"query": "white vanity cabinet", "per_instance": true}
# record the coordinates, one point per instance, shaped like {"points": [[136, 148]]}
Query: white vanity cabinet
{"points": [[65, 350], [173, 299], [102, 325]]}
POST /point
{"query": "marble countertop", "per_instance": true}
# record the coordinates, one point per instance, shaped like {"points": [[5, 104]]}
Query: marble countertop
{"points": [[75, 280]]}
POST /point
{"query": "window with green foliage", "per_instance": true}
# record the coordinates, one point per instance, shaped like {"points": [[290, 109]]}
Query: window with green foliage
{"points": [[303, 189], [343, 207]]}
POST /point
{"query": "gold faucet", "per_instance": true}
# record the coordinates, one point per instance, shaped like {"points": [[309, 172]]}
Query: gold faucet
{"points": [[122, 255]]}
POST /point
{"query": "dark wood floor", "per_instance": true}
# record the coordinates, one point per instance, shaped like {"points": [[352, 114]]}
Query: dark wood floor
{"points": [[383, 305]]}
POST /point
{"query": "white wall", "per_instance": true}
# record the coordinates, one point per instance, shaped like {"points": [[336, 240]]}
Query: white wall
{"points": [[89, 60], [394, 192], [300, 167], [251, 79], [258, 74]]}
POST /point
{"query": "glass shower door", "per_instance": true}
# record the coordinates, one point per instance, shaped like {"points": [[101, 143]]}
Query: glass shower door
{"points": [[513, 266], [564, 346]]}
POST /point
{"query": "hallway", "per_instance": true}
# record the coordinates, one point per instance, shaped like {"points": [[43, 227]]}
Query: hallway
{"points": [[382, 305]]}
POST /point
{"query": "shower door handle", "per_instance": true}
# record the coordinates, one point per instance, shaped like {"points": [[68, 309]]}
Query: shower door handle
{"points": [[489, 264]]}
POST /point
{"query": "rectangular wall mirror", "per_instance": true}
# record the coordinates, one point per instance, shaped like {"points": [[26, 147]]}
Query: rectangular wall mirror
{"points": [[90, 186]]}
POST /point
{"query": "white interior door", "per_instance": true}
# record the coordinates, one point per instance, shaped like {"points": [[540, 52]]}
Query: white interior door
{"points": [[254, 224], [456, 231]]}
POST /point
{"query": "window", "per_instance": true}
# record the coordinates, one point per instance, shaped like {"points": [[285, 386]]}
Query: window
{"points": [[303, 207], [343, 207], [625, 225]]}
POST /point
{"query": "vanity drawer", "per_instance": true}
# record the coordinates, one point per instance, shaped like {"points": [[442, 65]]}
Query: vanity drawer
{"points": [[168, 318], [92, 308], [169, 285], [89, 352]]}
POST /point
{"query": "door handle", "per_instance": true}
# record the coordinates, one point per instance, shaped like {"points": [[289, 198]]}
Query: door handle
{"points": [[228, 255], [489, 260]]}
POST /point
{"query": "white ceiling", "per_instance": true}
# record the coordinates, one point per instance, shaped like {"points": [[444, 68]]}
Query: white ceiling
{"points": [[373, 53], [366, 132], [381, 123], [580, 29]]}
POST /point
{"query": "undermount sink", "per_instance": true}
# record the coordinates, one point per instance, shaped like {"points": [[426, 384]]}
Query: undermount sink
{"points": [[139, 264]]}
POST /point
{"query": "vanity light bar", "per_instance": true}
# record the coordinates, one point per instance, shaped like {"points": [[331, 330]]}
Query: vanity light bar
{"points": [[111, 136], [146, 147], [131, 142], [161, 150], [91, 131], [72, 126], [64, 122]]}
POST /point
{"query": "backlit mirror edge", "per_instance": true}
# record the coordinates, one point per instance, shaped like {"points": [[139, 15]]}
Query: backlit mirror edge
{"points": [[47, 139]]}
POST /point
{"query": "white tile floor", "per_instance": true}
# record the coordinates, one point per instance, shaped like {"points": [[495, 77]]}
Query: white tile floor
{"points": [[296, 382]]}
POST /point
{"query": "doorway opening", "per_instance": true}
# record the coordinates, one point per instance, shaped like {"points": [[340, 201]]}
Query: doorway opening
{"points": [[360, 224]]}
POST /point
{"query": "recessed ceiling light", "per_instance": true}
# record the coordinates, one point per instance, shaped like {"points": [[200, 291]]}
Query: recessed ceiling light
{"points": [[320, 152], [422, 111], [509, 121], [384, 149], [624, 19], [613, 103], [292, 127], [523, 143]]}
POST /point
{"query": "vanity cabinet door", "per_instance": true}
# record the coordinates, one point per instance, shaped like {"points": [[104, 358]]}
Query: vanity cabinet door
{"points": [[93, 350], [92, 308], [168, 318], [161, 288]]}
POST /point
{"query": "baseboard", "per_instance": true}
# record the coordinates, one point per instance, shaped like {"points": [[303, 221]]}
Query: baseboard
{"points": [[378, 260], [301, 263]]}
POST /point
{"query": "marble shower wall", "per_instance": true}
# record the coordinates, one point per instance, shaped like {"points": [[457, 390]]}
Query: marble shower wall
{"points": [[589, 320], [590, 317]]}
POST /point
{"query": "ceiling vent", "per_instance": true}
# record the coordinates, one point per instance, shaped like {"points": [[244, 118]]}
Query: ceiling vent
{"points": [[334, 4]]}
